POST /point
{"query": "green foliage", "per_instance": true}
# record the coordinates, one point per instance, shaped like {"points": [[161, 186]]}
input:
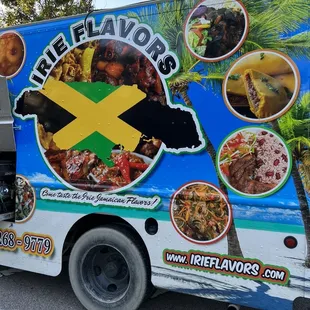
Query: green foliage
{"points": [[299, 143], [301, 111], [255, 7], [304, 171], [298, 45], [18, 12], [171, 18], [146, 15], [287, 15], [216, 73], [168, 19], [187, 60], [306, 158], [271, 20], [294, 127], [286, 126], [183, 79], [295, 123]]}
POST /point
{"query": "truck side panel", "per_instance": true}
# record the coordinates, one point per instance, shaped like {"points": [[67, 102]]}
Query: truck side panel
{"points": [[199, 123]]}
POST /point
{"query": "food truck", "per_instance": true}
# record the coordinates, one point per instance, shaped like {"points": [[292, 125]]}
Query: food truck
{"points": [[164, 144]]}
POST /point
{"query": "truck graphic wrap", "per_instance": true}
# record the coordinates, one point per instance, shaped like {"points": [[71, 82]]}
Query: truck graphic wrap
{"points": [[192, 114]]}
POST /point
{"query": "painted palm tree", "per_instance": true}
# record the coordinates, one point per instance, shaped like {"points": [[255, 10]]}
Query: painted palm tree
{"points": [[294, 127], [171, 17], [179, 85], [268, 19], [271, 22]]}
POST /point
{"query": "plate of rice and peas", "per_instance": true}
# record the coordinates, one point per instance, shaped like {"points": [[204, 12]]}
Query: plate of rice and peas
{"points": [[254, 161]]}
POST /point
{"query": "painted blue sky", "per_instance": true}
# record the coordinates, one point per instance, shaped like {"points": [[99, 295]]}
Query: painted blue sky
{"points": [[106, 4], [172, 171]]}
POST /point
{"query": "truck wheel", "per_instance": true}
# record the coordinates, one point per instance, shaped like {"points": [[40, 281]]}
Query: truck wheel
{"points": [[109, 269]]}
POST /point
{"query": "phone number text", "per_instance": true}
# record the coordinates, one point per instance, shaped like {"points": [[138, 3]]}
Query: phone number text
{"points": [[29, 243]]}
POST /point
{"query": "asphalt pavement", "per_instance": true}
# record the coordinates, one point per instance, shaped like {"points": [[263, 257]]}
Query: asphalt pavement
{"points": [[20, 290]]}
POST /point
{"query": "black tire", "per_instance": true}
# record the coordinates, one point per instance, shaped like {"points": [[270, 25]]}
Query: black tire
{"points": [[98, 274]]}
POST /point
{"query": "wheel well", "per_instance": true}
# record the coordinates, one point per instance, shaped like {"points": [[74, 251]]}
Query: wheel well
{"points": [[91, 221]]}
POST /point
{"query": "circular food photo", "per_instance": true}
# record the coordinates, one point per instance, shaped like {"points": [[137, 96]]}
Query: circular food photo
{"points": [[200, 213], [261, 86], [254, 162], [75, 135], [216, 29], [12, 53], [25, 200]]}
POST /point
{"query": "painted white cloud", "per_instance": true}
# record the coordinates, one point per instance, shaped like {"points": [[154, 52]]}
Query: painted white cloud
{"points": [[292, 204], [41, 178]]}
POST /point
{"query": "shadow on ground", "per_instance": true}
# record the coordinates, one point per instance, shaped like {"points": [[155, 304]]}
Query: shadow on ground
{"points": [[20, 290]]}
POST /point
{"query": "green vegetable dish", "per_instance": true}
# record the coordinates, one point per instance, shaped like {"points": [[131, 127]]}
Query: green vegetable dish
{"points": [[25, 199]]}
